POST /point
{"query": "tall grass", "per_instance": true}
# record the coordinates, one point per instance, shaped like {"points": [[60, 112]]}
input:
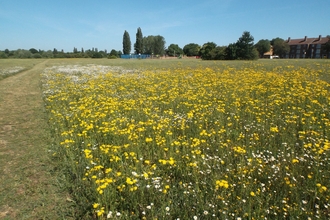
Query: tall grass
{"points": [[209, 140]]}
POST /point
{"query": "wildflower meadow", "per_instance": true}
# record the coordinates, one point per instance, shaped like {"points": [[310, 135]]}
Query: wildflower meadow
{"points": [[207, 142]]}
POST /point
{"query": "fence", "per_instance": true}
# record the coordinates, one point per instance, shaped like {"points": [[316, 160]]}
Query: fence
{"points": [[135, 56]]}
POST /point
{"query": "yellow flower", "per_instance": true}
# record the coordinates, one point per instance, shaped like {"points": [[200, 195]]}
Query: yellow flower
{"points": [[100, 212], [239, 150], [108, 170], [221, 183], [171, 161], [145, 175], [295, 161], [322, 189], [274, 129], [130, 181], [134, 188]]}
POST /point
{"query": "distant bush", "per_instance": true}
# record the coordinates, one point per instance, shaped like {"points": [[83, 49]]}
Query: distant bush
{"points": [[37, 56], [3, 55], [112, 57], [97, 55]]}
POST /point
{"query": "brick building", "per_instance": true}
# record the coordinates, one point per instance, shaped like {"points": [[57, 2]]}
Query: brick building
{"points": [[307, 47]]}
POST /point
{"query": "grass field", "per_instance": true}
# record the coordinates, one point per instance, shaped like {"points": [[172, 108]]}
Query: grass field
{"points": [[191, 139]]}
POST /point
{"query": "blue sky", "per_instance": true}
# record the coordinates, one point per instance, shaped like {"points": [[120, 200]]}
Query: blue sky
{"points": [[64, 24]]}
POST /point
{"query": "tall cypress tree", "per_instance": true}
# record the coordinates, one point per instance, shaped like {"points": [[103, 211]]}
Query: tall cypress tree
{"points": [[138, 46], [126, 43]]}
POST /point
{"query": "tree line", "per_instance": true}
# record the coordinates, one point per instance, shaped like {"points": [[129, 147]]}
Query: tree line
{"points": [[34, 53], [243, 49], [144, 45]]}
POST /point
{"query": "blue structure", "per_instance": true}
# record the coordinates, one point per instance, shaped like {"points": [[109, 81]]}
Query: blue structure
{"points": [[135, 56]]}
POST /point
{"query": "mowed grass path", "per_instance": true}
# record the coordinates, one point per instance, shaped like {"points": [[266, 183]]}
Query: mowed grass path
{"points": [[29, 188]]}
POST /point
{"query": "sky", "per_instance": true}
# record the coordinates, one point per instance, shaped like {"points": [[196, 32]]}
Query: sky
{"points": [[65, 24]]}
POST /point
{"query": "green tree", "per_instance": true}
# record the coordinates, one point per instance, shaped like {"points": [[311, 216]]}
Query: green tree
{"points": [[89, 52], [218, 53], [191, 49], [280, 47], [97, 55], [245, 47], [159, 45], [148, 45], [174, 50], [48, 54], [3, 55], [113, 53], [138, 46], [231, 52], [154, 45], [126, 43], [59, 54], [23, 54], [33, 50], [37, 56], [103, 53], [262, 47], [205, 51], [210, 51]]}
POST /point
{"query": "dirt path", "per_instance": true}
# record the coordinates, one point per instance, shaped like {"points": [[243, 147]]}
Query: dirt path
{"points": [[28, 189]]}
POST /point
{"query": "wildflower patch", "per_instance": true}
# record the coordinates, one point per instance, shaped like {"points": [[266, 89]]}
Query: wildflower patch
{"points": [[185, 143]]}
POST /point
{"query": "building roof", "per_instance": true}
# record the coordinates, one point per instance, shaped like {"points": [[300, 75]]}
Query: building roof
{"points": [[306, 40]]}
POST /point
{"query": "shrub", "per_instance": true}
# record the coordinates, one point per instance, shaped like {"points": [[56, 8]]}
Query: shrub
{"points": [[36, 56], [112, 57]]}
